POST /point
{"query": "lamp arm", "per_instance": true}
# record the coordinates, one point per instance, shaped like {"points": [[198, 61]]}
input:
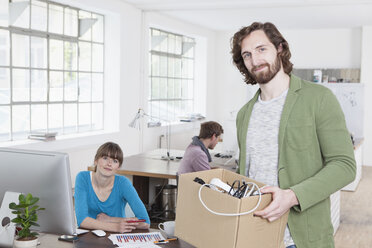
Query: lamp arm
{"points": [[143, 113]]}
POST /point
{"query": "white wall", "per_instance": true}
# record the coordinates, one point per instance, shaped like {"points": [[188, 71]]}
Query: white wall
{"points": [[366, 78], [324, 48], [310, 48]]}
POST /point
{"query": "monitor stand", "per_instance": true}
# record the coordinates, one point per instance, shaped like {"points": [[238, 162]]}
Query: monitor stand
{"points": [[7, 228]]}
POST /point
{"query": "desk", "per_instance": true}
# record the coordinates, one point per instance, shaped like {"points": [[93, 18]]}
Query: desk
{"points": [[89, 240], [149, 165]]}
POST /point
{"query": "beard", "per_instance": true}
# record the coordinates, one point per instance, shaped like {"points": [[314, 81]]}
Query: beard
{"points": [[265, 76]]}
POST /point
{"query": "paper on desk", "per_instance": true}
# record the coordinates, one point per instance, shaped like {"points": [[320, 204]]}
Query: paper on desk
{"points": [[143, 245], [81, 231], [136, 239]]}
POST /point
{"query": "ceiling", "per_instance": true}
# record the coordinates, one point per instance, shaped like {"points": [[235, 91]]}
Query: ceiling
{"points": [[290, 14]]}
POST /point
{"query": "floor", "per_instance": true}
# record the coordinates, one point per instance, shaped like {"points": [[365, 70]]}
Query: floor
{"points": [[355, 230]]}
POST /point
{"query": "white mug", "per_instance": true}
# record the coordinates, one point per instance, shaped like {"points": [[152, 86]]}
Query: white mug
{"points": [[167, 227]]}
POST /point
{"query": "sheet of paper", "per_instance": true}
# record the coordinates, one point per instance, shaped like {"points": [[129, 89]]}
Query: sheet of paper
{"points": [[81, 231], [130, 239], [142, 245]]}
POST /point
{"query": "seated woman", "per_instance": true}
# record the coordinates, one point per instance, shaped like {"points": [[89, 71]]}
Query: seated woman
{"points": [[101, 196]]}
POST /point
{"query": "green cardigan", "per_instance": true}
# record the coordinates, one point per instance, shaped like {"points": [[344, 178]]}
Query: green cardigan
{"points": [[316, 157]]}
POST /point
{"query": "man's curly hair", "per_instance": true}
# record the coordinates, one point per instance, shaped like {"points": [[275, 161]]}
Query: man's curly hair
{"points": [[274, 36]]}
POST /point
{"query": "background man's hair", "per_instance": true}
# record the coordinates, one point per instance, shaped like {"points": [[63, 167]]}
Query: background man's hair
{"points": [[207, 129], [272, 34]]}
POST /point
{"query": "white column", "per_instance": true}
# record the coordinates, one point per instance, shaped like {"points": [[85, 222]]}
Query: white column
{"points": [[366, 79]]}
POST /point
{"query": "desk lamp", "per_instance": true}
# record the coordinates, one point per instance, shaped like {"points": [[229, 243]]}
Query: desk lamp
{"points": [[136, 124]]}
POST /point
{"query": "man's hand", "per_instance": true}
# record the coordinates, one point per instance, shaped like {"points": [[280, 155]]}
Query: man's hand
{"points": [[283, 200]]}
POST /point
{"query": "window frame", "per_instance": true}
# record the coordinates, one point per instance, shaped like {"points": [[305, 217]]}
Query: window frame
{"points": [[170, 115], [29, 32]]}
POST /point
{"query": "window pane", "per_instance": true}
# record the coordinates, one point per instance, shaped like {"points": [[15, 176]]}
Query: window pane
{"points": [[177, 88], [85, 29], [21, 85], [4, 85], [39, 15], [70, 56], [56, 54], [71, 86], [184, 89], [171, 64], [70, 118], [4, 47], [23, 19], [178, 45], [84, 116], [177, 68], [4, 123], [97, 116], [97, 58], [85, 57], [155, 67], [97, 87], [164, 43], [21, 55], [39, 118], [163, 88], [56, 86], [170, 88], [185, 68], [97, 32], [39, 52], [55, 19], [55, 116], [71, 22], [39, 85], [20, 121], [163, 66], [190, 71], [85, 87], [190, 52], [155, 88], [171, 43]]}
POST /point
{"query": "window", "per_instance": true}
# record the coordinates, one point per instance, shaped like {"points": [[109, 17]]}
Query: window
{"points": [[51, 70], [171, 74]]}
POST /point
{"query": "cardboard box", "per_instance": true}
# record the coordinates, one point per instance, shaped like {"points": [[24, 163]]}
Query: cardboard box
{"points": [[203, 229]]}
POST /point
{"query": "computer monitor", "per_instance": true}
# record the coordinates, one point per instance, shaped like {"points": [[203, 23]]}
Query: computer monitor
{"points": [[45, 175]]}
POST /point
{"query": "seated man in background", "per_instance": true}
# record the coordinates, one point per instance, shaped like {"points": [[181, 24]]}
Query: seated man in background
{"points": [[197, 157]]}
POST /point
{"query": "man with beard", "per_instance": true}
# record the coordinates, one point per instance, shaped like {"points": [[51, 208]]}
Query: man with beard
{"points": [[292, 136]]}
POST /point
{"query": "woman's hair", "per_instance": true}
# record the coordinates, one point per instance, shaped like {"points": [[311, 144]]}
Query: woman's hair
{"points": [[207, 129], [275, 38], [111, 150]]}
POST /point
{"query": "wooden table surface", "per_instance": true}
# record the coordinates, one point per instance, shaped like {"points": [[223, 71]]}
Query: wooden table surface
{"points": [[150, 164], [89, 240]]}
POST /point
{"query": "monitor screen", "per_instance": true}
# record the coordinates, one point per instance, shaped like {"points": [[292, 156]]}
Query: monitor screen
{"points": [[45, 175]]}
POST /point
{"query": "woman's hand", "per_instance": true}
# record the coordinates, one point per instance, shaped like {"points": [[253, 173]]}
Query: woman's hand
{"points": [[103, 217], [140, 225], [124, 226]]}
